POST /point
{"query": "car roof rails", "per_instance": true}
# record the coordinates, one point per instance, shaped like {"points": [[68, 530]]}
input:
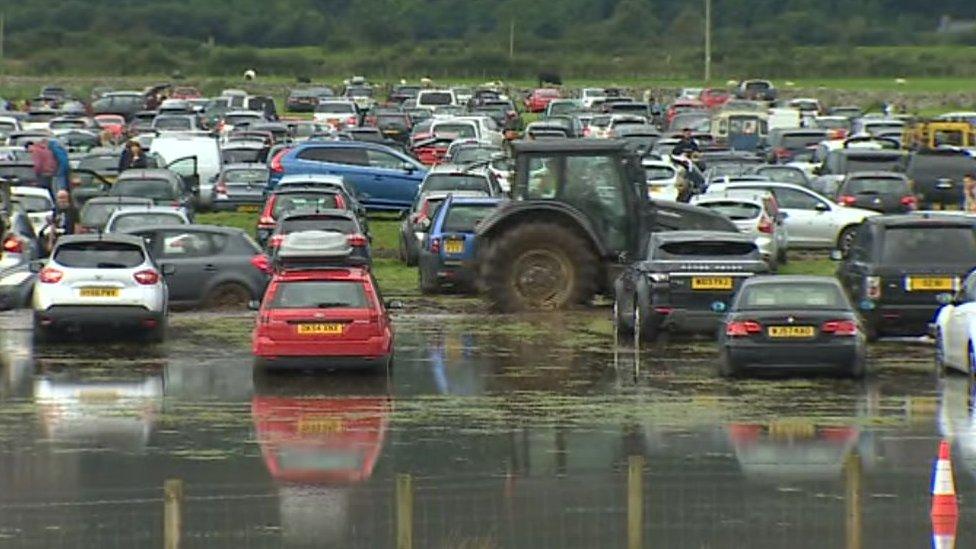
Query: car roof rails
{"points": [[309, 250]]}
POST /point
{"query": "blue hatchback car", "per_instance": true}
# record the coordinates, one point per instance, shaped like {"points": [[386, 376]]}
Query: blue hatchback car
{"points": [[447, 255], [383, 179]]}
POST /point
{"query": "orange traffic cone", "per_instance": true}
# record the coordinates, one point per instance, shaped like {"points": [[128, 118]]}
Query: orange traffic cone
{"points": [[944, 532], [943, 488]]}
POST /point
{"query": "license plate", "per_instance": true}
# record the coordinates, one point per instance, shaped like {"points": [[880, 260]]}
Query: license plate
{"points": [[99, 292], [320, 329], [248, 208], [791, 331], [97, 395], [454, 246], [791, 430], [319, 425], [711, 283], [929, 283]]}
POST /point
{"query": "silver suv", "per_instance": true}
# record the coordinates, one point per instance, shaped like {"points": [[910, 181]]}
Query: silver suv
{"points": [[103, 280]]}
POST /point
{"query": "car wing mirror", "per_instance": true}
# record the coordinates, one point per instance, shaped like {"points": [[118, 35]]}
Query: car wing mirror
{"points": [[408, 167], [168, 269], [394, 304], [821, 207], [254, 305]]}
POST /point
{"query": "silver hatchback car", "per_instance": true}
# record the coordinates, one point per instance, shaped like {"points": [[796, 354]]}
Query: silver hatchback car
{"points": [[100, 280]]}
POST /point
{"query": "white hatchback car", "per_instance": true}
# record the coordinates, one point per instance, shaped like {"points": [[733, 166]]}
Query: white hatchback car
{"points": [[662, 179], [100, 280], [755, 214], [128, 219]]}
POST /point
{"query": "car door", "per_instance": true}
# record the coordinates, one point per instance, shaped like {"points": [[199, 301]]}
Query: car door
{"points": [[393, 184], [855, 266], [806, 215], [187, 168], [348, 162], [192, 253]]}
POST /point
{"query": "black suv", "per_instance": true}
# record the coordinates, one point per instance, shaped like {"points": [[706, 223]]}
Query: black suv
{"points": [[686, 282], [898, 265], [937, 176]]}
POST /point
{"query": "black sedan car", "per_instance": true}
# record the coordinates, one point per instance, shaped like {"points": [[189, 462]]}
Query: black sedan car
{"points": [[686, 282], [792, 322], [885, 192]]}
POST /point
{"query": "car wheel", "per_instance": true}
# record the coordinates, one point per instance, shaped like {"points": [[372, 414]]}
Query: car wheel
{"points": [[870, 331], [428, 284], [228, 295], [726, 368], [623, 316], [858, 368], [845, 239], [645, 322], [42, 334], [158, 333], [410, 255], [782, 256]]}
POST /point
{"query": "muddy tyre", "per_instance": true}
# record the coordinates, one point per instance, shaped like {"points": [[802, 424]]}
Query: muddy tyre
{"points": [[428, 284], [157, 334], [858, 368], [410, 258], [725, 367], [538, 265], [845, 239], [940, 366], [227, 296], [42, 334]]}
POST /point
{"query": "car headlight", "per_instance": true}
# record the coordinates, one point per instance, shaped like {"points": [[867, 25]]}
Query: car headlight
{"points": [[659, 277]]}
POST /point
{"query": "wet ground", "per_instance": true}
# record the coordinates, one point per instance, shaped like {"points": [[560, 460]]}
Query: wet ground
{"points": [[499, 432]]}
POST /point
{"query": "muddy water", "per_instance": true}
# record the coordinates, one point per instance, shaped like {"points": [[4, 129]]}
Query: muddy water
{"points": [[510, 432]]}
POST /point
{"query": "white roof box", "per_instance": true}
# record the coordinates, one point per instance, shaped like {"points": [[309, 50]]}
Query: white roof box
{"points": [[315, 245]]}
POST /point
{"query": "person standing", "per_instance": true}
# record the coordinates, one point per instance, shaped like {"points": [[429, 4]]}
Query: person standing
{"points": [[64, 220], [63, 173], [132, 157], [686, 145], [45, 165]]}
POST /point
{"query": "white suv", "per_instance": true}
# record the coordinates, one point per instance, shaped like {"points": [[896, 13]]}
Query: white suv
{"points": [[100, 280]]}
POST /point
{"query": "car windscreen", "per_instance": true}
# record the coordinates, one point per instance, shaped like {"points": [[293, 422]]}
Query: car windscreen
{"points": [[791, 296], [435, 98], [706, 248], [455, 131], [292, 202], [877, 185], [100, 163], [929, 245], [658, 172], [242, 156], [173, 123], [34, 203], [463, 218], [246, 177], [757, 86], [67, 124], [155, 189], [315, 294], [454, 182], [563, 108], [872, 163], [736, 211], [143, 220], [337, 224], [96, 214], [785, 175], [470, 155], [392, 120], [801, 140], [241, 119], [335, 106], [99, 255], [359, 91]]}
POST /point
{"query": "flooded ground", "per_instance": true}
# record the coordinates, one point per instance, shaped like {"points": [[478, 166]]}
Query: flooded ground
{"points": [[499, 432]]}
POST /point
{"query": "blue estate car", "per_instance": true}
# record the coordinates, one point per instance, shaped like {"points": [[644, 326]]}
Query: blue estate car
{"points": [[448, 253]]}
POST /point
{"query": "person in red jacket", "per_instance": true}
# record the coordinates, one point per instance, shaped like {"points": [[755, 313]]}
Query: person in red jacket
{"points": [[45, 165]]}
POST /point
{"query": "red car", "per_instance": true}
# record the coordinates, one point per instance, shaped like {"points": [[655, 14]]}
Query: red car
{"points": [[431, 151], [683, 105], [539, 99], [331, 316], [714, 98], [186, 92], [112, 123]]}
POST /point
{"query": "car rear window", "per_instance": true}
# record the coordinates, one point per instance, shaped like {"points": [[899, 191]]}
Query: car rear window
{"points": [[709, 248], [939, 165], [335, 106], [471, 155], [241, 119], [735, 211], [246, 177], [877, 185], [242, 156], [143, 220], [99, 255], [32, 203], [173, 123], [464, 218], [389, 119], [455, 131], [100, 163], [873, 163], [791, 295], [155, 189], [450, 182], [97, 214], [316, 294], [801, 141], [918, 245], [337, 224], [435, 98], [786, 175], [299, 201]]}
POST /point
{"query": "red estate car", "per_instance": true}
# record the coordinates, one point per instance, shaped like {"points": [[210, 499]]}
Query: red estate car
{"points": [[331, 316], [539, 99]]}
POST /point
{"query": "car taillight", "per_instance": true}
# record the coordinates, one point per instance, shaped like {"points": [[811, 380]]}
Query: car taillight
{"points": [[765, 225], [839, 327], [266, 220], [276, 240], [147, 277], [435, 245], [351, 121], [872, 287], [909, 201], [50, 276], [13, 245], [357, 241], [846, 200], [275, 165], [782, 152], [340, 202], [742, 328], [261, 263], [220, 188]]}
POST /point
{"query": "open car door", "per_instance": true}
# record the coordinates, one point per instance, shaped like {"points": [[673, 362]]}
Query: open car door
{"points": [[186, 167]]}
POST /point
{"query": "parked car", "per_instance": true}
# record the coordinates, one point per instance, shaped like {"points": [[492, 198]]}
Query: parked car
{"points": [[954, 329], [338, 114], [36, 202], [329, 316], [96, 212], [898, 265], [685, 281], [936, 176], [286, 200], [103, 280], [662, 179], [756, 214], [336, 221], [176, 123], [885, 192], [241, 187], [756, 90], [784, 174], [436, 100], [791, 323], [383, 178], [812, 221], [129, 219], [302, 100], [449, 249], [244, 152], [785, 143], [123, 103], [413, 229], [163, 187], [211, 267], [539, 99]]}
